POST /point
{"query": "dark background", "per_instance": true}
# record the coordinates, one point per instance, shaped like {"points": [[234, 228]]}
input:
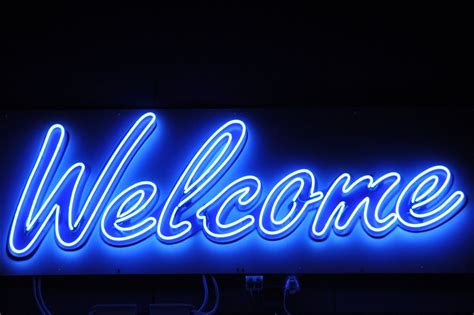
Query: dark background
{"points": [[270, 56]]}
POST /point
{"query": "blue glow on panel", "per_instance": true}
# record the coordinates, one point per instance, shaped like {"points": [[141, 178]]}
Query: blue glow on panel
{"points": [[215, 203]]}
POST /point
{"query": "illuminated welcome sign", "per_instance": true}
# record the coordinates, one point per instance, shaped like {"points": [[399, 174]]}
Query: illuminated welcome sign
{"points": [[73, 204]]}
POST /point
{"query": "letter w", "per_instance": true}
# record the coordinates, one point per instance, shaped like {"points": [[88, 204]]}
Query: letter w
{"points": [[41, 200]]}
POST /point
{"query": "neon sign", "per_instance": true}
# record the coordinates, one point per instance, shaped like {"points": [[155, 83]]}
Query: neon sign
{"points": [[59, 201]]}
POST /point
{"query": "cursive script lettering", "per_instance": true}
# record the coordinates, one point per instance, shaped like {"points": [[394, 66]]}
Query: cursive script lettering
{"points": [[132, 215]]}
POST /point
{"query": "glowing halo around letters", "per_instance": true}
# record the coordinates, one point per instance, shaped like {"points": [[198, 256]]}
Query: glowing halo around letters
{"points": [[50, 200]]}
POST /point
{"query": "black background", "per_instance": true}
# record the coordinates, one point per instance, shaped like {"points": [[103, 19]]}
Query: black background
{"points": [[270, 56]]}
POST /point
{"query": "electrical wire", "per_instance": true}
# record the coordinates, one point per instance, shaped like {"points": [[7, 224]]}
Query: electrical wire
{"points": [[214, 309], [37, 292], [218, 296], [206, 294], [41, 299]]}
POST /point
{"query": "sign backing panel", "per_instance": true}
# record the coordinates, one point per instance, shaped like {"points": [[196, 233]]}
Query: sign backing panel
{"points": [[236, 191]]}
